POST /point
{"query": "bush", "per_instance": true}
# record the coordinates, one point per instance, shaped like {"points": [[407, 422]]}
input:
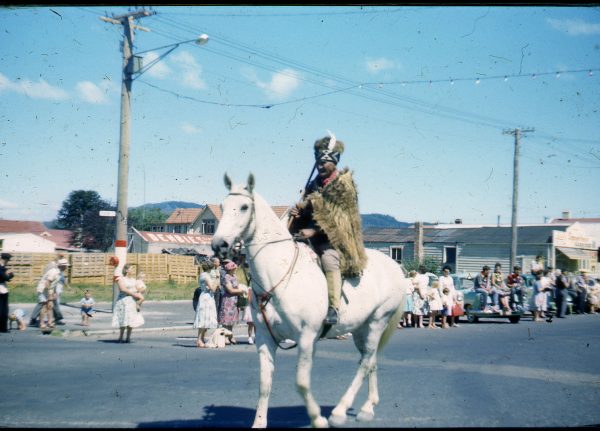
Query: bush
{"points": [[431, 264]]}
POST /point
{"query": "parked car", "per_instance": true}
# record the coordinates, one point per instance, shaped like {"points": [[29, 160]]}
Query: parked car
{"points": [[472, 301]]}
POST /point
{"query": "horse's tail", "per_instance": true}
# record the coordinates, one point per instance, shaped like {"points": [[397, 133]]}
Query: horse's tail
{"points": [[390, 328]]}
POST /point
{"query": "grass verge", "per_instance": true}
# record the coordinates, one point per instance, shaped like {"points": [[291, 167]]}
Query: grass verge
{"points": [[25, 293]]}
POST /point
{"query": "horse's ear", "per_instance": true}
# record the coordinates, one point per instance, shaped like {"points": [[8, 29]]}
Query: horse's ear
{"points": [[250, 183], [227, 181]]}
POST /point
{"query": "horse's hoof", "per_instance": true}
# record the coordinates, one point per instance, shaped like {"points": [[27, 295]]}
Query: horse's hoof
{"points": [[337, 420], [320, 422], [363, 416]]}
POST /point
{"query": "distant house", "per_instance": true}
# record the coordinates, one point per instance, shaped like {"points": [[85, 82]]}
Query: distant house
{"points": [[467, 248], [181, 220], [204, 221], [25, 243], [156, 242], [59, 238]]}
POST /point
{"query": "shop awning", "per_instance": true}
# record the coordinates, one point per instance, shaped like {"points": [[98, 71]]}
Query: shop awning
{"points": [[578, 253]]}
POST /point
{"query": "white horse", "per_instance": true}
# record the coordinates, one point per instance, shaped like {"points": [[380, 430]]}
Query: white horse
{"points": [[290, 301]]}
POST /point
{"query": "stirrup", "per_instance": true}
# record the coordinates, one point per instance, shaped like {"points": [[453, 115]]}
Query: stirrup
{"points": [[332, 316]]}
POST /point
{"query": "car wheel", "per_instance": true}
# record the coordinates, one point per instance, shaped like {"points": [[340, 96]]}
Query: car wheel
{"points": [[470, 317], [514, 319]]}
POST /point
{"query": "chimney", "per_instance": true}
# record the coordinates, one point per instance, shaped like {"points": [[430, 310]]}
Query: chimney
{"points": [[566, 214], [419, 241]]}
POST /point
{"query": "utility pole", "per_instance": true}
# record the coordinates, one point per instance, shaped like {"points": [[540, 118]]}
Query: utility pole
{"points": [[126, 21], [513, 243]]}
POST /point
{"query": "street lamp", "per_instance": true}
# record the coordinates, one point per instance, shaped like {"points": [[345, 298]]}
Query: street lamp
{"points": [[132, 65]]}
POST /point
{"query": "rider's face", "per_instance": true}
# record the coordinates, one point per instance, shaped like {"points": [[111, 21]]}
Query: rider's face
{"points": [[325, 169]]}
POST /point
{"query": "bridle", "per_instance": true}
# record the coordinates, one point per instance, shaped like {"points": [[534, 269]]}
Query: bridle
{"points": [[266, 295]]}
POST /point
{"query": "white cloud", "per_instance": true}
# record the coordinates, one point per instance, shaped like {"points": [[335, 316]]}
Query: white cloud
{"points": [[377, 65], [92, 93], [574, 27], [35, 90], [282, 84], [190, 69], [7, 204], [190, 129], [159, 70]]}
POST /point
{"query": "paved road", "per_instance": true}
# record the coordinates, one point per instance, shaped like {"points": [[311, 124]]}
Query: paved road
{"points": [[490, 374]]}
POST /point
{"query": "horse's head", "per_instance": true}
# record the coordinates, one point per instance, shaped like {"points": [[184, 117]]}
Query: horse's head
{"points": [[237, 219]]}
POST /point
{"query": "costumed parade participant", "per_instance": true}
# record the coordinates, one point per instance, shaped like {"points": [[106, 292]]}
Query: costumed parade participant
{"points": [[328, 218]]}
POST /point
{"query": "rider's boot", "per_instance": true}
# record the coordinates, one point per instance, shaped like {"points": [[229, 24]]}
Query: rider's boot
{"points": [[334, 291]]}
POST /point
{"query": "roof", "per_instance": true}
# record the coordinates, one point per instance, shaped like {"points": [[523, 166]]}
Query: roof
{"points": [[179, 238], [18, 226], [280, 210], [62, 238], [478, 235], [216, 210], [573, 220], [184, 215]]}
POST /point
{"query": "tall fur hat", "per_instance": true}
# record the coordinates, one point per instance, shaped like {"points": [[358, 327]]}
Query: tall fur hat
{"points": [[328, 149]]}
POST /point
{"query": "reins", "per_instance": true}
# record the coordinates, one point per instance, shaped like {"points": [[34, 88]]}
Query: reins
{"points": [[265, 296]]}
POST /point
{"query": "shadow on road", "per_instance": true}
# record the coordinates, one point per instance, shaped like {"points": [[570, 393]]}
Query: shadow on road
{"points": [[241, 417]]}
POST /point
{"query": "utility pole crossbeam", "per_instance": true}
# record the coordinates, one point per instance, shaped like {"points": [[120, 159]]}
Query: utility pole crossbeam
{"points": [[513, 244], [126, 21]]}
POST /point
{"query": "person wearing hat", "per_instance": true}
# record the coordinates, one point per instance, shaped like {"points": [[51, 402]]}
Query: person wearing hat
{"points": [[229, 313], [329, 219], [58, 316], [581, 285], [46, 290], [5, 276]]}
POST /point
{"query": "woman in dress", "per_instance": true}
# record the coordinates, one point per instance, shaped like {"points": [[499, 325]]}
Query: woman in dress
{"points": [[538, 298], [126, 315], [407, 308], [206, 311], [229, 314], [419, 299]]}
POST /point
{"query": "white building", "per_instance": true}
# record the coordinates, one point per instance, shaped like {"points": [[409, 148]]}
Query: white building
{"points": [[25, 243]]}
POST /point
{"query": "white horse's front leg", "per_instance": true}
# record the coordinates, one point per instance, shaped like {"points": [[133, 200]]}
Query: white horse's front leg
{"points": [[266, 353], [306, 349]]}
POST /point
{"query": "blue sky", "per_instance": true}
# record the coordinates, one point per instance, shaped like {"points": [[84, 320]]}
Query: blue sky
{"points": [[397, 84]]}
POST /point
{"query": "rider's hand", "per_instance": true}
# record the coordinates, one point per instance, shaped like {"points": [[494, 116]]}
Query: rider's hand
{"points": [[295, 211], [307, 233]]}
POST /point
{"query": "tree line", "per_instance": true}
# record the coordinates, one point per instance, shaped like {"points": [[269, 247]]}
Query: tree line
{"points": [[80, 213]]}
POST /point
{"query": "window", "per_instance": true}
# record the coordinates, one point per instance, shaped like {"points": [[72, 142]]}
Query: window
{"points": [[208, 227], [157, 229], [396, 254], [450, 258]]}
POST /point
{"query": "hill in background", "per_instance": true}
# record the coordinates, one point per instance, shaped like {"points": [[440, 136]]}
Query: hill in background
{"points": [[381, 220], [169, 206]]}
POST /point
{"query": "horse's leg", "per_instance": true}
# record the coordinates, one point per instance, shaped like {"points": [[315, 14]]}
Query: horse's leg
{"points": [[366, 339], [306, 350], [367, 412], [266, 353]]}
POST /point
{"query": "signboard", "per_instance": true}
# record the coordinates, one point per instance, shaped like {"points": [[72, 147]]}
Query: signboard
{"points": [[572, 240], [108, 213]]}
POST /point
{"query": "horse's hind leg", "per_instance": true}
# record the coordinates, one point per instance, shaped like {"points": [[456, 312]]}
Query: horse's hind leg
{"points": [[366, 340], [266, 353], [306, 349], [367, 411]]}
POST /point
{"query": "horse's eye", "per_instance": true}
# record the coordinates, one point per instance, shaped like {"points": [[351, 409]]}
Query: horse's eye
{"points": [[244, 207]]}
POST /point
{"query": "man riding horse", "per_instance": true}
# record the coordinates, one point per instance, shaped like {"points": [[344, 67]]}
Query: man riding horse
{"points": [[329, 219]]}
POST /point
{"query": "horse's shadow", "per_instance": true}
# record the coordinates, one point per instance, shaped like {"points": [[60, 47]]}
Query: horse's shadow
{"points": [[241, 417]]}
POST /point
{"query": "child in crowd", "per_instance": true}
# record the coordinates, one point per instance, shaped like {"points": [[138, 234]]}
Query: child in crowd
{"points": [[408, 307], [435, 303], [87, 308], [18, 316], [141, 288], [447, 302]]}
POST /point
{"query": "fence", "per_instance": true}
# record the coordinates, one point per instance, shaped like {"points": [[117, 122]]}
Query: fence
{"points": [[94, 268]]}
